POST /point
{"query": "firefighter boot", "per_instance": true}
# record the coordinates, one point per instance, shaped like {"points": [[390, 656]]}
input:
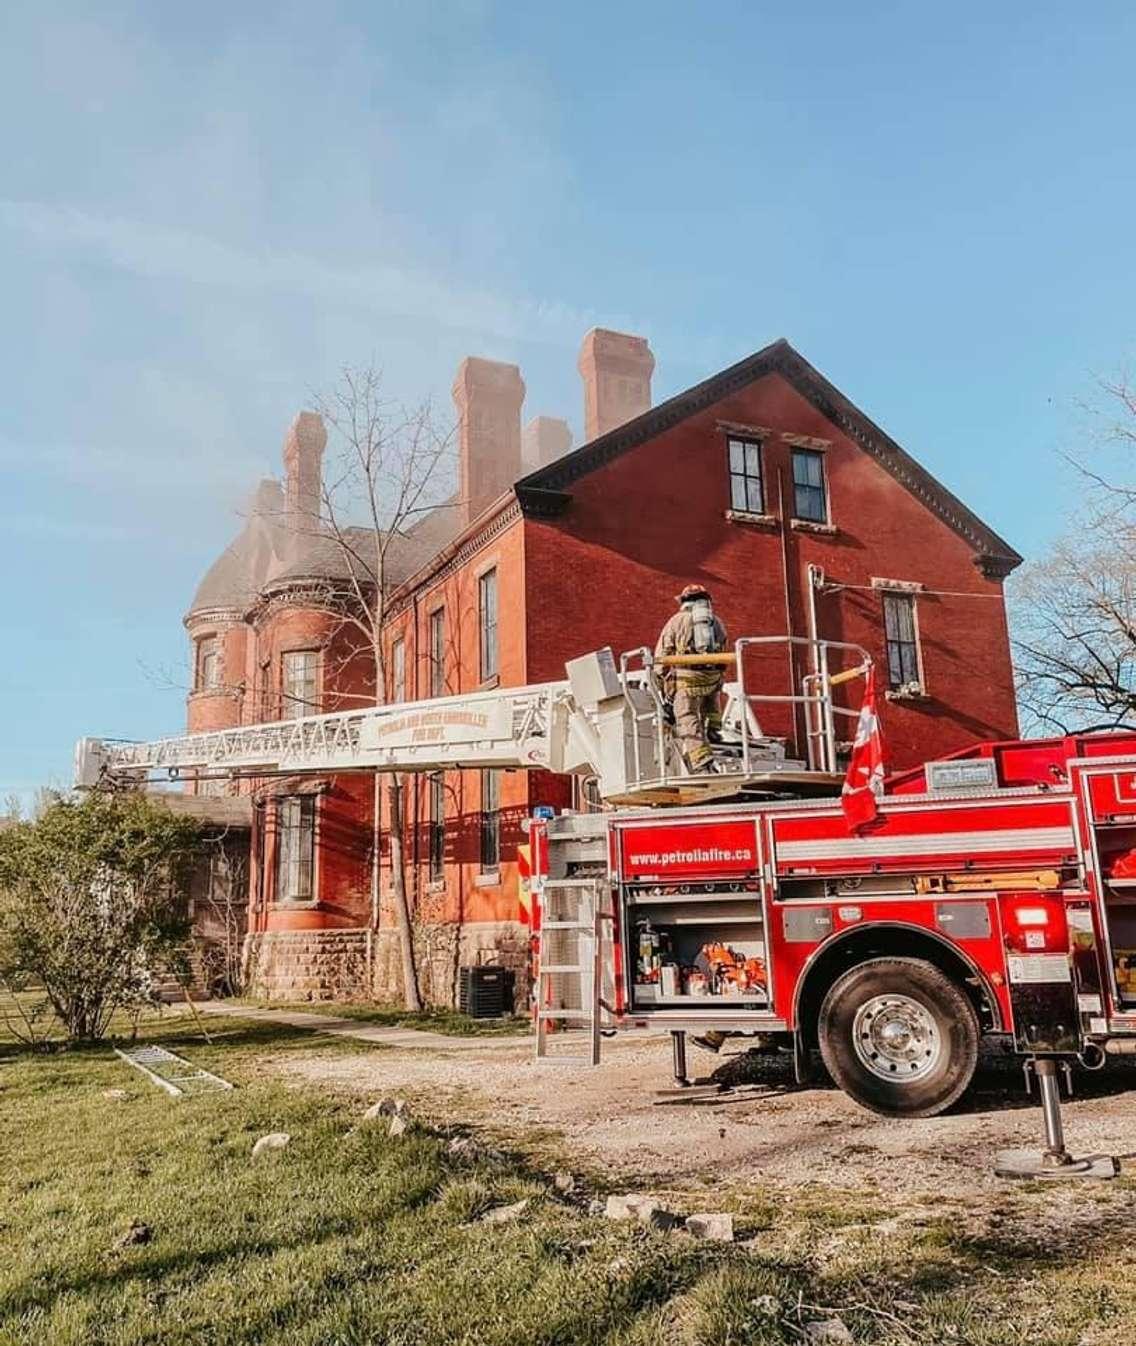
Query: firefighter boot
{"points": [[712, 1041]]}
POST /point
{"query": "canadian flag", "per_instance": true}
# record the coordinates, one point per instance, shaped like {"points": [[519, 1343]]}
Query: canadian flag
{"points": [[864, 783]]}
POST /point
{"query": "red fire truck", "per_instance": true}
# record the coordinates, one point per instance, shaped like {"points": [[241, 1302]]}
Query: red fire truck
{"points": [[995, 894], [992, 894]]}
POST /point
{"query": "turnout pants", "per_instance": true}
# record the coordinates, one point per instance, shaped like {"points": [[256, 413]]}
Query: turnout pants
{"points": [[696, 711]]}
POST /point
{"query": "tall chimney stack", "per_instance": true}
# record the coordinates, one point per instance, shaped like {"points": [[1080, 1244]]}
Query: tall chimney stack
{"points": [[303, 466], [543, 440], [488, 397], [616, 369]]}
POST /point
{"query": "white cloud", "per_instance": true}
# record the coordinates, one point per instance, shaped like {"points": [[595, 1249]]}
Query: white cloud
{"points": [[158, 253]]}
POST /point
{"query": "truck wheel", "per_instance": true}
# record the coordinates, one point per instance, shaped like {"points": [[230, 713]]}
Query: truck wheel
{"points": [[899, 1037]]}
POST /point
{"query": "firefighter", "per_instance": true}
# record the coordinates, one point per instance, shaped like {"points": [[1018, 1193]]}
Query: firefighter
{"points": [[692, 693]]}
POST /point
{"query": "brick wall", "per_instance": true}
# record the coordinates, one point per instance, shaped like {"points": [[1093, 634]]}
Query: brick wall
{"points": [[653, 519]]}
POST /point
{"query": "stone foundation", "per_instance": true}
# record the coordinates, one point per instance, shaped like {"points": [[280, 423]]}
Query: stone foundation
{"points": [[441, 950], [307, 964], [332, 964]]}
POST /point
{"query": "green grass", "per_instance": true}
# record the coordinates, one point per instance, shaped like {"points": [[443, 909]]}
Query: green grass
{"points": [[349, 1236], [448, 1021]]}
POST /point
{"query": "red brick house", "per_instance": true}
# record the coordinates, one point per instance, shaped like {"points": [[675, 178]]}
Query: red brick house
{"points": [[743, 482]]}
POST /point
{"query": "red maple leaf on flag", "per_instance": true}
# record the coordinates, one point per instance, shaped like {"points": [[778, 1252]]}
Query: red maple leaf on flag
{"points": [[864, 783]]}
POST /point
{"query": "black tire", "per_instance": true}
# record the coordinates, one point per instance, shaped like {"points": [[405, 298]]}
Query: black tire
{"points": [[862, 1030]]}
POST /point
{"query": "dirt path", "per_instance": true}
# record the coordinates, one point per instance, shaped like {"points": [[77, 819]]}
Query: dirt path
{"points": [[359, 1029], [608, 1119]]}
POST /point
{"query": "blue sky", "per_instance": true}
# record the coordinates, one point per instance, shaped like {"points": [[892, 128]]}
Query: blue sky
{"points": [[206, 210]]}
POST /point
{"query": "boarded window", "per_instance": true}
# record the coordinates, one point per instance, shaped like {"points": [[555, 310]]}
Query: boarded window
{"points": [[437, 839], [747, 489], [810, 499], [295, 848], [438, 652], [299, 683], [490, 821], [487, 612], [902, 642]]}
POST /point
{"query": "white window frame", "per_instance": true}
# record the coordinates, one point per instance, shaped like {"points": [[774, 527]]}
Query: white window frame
{"points": [[290, 811], [292, 707], [488, 668], [398, 669], [745, 442]]}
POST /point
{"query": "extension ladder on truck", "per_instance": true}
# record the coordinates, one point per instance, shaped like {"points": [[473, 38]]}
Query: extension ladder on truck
{"points": [[569, 974]]}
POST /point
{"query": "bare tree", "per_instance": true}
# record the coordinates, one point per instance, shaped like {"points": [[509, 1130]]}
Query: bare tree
{"points": [[390, 466], [1075, 609]]}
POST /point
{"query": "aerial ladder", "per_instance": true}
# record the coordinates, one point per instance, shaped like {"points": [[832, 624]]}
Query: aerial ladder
{"points": [[605, 720]]}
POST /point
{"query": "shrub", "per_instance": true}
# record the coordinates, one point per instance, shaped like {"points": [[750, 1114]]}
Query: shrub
{"points": [[88, 906]]}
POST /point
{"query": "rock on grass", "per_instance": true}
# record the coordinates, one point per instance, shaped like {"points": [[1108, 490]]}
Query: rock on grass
{"points": [[718, 1228], [138, 1232], [633, 1206], [275, 1140], [385, 1107], [505, 1214], [828, 1332]]}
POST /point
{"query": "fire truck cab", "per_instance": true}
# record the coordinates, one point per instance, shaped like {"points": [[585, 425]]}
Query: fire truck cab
{"points": [[995, 895]]}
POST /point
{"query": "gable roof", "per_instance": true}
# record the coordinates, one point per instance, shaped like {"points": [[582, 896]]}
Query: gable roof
{"points": [[544, 492]]}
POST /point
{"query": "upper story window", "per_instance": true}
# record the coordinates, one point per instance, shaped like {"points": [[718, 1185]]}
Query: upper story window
{"points": [[490, 821], [487, 621], [438, 652], [747, 489], [295, 848], [398, 670], [207, 671], [810, 495], [902, 635], [299, 683]]}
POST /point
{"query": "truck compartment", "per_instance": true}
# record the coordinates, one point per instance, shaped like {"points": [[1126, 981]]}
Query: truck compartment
{"points": [[696, 950], [1117, 848]]}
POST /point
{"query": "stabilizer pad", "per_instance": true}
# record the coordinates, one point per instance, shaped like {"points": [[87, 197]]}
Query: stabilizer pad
{"points": [[1030, 1164]]}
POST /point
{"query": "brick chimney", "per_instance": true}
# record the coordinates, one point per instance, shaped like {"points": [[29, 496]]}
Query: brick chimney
{"points": [[616, 369], [303, 462], [544, 440], [488, 397]]}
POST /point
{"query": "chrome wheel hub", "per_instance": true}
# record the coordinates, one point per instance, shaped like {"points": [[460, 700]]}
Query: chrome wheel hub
{"points": [[896, 1038]]}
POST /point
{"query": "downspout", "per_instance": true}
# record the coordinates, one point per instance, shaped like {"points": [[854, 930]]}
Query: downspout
{"points": [[789, 609], [417, 792], [815, 717]]}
